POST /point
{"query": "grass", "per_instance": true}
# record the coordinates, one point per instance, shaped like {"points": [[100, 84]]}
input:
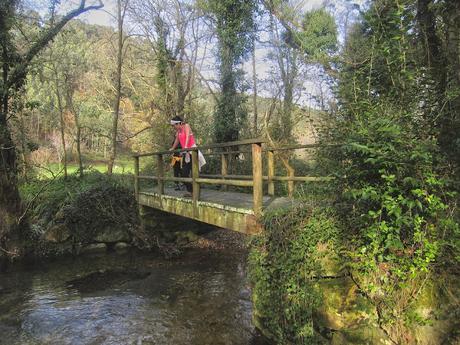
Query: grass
{"points": [[121, 166]]}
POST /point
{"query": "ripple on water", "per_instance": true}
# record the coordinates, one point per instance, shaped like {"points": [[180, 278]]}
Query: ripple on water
{"points": [[70, 303]]}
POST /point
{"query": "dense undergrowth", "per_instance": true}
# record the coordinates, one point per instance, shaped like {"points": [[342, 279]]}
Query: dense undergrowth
{"points": [[85, 206], [44, 197], [286, 262], [394, 155]]}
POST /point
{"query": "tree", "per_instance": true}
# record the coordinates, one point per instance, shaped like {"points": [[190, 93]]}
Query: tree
{"points": [[438, 34], [234, 25], [393, 94], [121, 12], [14, 68], [300, 40], [171, 27]]}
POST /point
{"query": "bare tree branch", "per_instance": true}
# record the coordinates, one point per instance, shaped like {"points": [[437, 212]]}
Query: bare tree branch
{"points": [[19, 73]]}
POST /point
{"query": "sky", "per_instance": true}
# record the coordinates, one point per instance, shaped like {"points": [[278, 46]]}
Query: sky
{"points": [[101, 17], [105, 17]]}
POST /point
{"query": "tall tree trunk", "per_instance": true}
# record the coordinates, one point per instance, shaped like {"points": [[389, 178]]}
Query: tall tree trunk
{"points": [[254, 88], [70, 105], [24, 148], [62, 125], [116, 108], [78, 140], [10, 201], [450, 124], [14, 72]]}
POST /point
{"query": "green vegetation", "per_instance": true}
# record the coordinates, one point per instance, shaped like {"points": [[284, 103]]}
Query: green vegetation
{"points": [[53, 169], [234, 25], [285, 264], [388, 105], [394, 199], [45, 198], [78, 209]]}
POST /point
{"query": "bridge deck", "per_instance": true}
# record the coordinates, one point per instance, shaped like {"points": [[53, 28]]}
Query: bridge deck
{"points": [[231, 210]]}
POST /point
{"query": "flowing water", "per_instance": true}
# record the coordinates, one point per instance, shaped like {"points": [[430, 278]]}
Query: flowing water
{"points": [[132, 298]]}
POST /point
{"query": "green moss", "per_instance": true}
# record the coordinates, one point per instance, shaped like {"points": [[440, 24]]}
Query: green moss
{"points": [[84, 206], [286, 264]]}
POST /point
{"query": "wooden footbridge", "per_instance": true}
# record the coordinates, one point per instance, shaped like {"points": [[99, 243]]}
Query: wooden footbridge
{"points": [[236, 210]]}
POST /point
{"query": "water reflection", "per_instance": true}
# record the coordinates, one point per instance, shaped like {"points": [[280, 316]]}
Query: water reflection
{"points": [[130, 299]]}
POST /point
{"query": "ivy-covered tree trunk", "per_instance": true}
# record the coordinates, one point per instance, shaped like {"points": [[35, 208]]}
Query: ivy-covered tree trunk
{"points": [[226, 118], [235, 28], [10, 201], [14, 69], [439, 41], [449, 136]]}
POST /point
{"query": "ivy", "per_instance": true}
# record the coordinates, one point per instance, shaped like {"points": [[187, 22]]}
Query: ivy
{"points": [[284, 268], [234, 25]]}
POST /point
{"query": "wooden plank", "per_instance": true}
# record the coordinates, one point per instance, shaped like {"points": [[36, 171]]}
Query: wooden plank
{"points": [[232, 177], [274, 178], [213, 146], [237, 183], [303, 178], [224, 169], [136, 178], [195, 184], [257, 179], [161, 173], [228, 200], [291, 183], [300, 146], [241, 220], [271, 172]]}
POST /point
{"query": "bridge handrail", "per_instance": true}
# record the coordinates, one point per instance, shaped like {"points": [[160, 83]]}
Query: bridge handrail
{"points": [[256, 183], [255, 180], [206, 147]]}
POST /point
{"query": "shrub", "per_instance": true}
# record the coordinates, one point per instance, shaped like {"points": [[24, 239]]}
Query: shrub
{"points": [[285, 264]]}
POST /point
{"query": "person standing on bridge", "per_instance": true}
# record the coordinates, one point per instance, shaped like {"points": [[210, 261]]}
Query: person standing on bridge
{"points": [[184, 137]]}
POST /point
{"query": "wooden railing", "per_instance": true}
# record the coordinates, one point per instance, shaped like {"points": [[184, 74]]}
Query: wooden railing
{"points": [[225, 179]]}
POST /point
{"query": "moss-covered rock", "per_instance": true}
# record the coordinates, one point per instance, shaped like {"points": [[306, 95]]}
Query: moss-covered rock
{"points": [[68, 215], [302, 293]]}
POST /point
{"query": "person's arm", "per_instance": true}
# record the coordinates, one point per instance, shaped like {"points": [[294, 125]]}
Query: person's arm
{"points": [[176, 142], [187, 134]]}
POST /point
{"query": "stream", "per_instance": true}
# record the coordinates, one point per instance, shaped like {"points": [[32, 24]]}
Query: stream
{"points": [[201, 298]]}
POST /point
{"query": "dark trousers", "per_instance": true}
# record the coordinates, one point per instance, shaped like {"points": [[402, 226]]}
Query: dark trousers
{"points": [[186, 170], [177, 169]]}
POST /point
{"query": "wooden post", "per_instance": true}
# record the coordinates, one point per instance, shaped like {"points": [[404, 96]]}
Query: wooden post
{"points": [[136, 178], [161, 175], [291, 183], [195, 184], [271, 172], [257, 178], [224, 165]]}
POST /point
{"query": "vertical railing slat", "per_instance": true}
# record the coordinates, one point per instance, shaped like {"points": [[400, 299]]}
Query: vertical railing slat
{"points": [[136, 178], [271, 172], [224, 164], [196, 185], [291, 183], [161, 175], [257, 178]]}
